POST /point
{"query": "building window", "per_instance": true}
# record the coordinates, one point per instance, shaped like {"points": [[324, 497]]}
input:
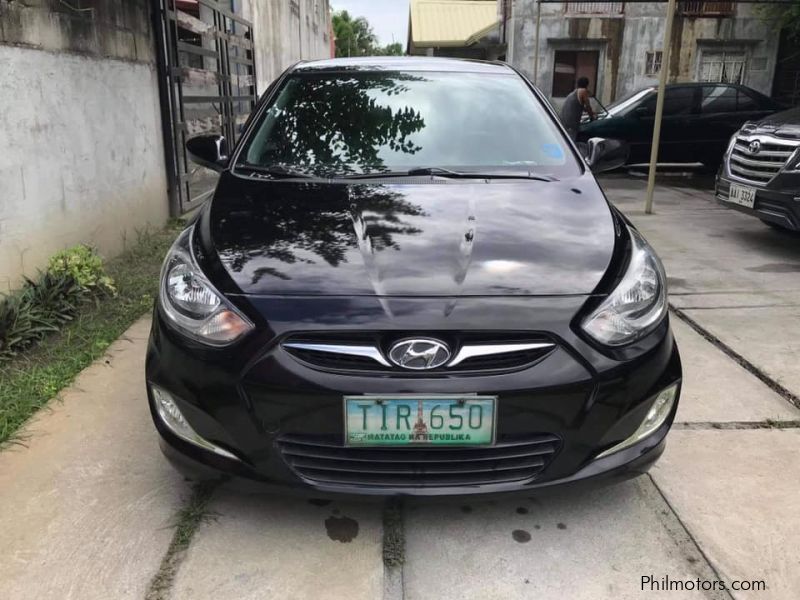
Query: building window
{"points": [[699, 8], [569, 66], [595, 8], [652, 63], [722, 67]]}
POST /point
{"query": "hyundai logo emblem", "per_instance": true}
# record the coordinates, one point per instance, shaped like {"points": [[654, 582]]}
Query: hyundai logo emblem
{"points": [[419, 353], [754, 147]]}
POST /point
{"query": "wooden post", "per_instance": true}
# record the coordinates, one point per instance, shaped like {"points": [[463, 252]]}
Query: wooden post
{"points": [[662, 82]]}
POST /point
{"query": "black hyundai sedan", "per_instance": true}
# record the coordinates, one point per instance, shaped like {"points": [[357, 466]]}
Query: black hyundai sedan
{"points": [[408, 281]]}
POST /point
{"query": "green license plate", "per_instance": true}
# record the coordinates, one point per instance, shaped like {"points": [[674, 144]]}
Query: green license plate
{"points": [[419, 420]]}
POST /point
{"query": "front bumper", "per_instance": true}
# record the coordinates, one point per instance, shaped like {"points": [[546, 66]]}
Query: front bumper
{"points": [[775, 204], [205, 467], [248, 403]]}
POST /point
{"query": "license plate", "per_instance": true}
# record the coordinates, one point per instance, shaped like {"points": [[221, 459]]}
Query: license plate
{"points": [[419, 420], [742, 195]]}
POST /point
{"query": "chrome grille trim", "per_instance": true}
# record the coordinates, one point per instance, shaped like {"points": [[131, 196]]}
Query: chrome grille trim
{"points": [[466, 352], [346, 349], [758, 168], [492, 349]]}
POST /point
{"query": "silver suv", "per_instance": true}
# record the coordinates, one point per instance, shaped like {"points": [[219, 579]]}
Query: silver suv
{"points": [[760, 173]]}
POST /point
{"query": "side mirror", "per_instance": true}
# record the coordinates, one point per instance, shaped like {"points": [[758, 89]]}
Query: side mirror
{"points": [[604, 154], [209, 151]]}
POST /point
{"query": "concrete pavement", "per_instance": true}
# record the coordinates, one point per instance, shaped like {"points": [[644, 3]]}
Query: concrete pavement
{"points": [[86, 506], [86, 503]]}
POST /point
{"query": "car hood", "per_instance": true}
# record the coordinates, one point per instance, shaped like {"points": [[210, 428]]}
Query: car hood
{"points": [[512, 237], [782, 124]]}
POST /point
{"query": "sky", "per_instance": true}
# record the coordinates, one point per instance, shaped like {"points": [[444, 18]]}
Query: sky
{"points": [[389, 18]]}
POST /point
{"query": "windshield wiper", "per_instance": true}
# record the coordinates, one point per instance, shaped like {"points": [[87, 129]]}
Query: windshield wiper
{"points": [[275, 171], [449, 173]]}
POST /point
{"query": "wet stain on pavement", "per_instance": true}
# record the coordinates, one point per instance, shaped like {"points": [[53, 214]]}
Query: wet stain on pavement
{"points": [[521, 510], [319, 501], [341, 529], [561, 526], [521, 536], [776, 268], [466, 509], [537, 526]]}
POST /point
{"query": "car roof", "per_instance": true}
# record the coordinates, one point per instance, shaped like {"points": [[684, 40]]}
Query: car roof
{"points": [[702, 84], [404, 63]]}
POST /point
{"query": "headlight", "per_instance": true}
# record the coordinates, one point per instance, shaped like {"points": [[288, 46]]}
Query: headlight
{"points": [[638, 303], [190, 302], [793, 164], [731, 142]]}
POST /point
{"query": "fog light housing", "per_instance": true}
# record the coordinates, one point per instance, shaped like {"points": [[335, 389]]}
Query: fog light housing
{"points": [[659, 412], [172, 417]]}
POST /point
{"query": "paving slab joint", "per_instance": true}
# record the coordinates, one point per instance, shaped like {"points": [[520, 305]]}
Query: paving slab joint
{"points": [[782, 391], [728, 425], [684, 539], [394, 549], [187, 520]]}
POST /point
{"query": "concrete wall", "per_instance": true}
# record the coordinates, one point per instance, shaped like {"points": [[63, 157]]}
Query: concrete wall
{"points": [[623, 41], [80, 129], [286, 31]]}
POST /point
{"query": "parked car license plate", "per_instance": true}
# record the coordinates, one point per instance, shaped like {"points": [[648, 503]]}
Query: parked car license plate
{"points": [[742, 195], [419, 420]]}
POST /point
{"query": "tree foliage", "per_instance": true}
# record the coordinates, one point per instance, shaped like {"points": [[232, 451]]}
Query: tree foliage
{"points": [[366, 217], [355, 37], [357, 125], [784, 15], [395, 49]]}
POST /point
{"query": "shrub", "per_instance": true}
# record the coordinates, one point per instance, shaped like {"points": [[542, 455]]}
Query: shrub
{"points": [[85, 266], [39, 308], [44, 304]]}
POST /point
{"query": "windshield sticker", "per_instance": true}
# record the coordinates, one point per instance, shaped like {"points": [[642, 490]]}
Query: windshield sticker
{"points": [[553, 150]]}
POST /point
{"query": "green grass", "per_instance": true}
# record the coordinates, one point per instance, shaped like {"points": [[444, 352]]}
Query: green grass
{"points": [[187, 520], [31, 379]]}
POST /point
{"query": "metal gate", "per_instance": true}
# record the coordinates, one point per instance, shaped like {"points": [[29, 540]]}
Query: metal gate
{"points": [[207, 85]]}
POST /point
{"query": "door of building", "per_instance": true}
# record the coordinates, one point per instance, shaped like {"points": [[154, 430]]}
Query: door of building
{"points": [[569, 66], [207, 85]]}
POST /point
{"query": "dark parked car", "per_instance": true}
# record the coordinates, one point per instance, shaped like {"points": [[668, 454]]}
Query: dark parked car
{"points": [[761, 171], [409, 282], [698, 120]]}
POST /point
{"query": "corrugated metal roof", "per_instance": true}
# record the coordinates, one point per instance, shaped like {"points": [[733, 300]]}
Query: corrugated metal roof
{"points": [[451, 22]]}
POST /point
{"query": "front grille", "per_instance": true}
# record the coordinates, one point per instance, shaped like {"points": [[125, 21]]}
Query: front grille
{"points": [[324, 460], [759, 167], [339, 362], [369, 352]]}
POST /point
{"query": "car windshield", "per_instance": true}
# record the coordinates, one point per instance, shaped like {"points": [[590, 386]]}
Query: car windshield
{"points": [[621, 107], [338, 124]]}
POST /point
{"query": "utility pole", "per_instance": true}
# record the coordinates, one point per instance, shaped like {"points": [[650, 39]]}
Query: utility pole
{"points": [[536, 49], [662, 82]]}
